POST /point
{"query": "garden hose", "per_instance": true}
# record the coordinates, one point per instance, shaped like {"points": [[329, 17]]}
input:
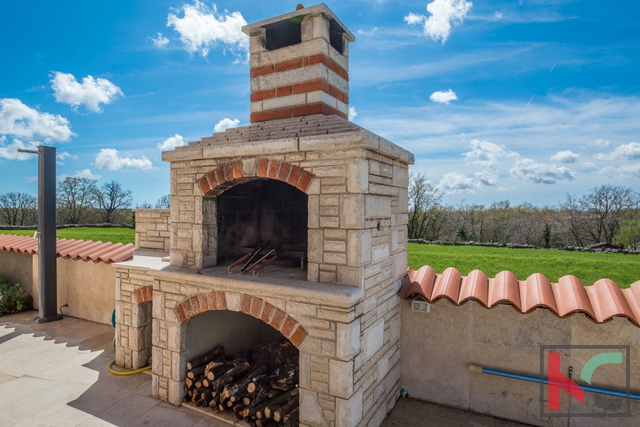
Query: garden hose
{"points": [[126, 373]]}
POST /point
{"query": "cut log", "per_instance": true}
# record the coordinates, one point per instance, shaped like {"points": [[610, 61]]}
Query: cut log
{"points": [[283, 411], [218, 371], [253, 385], [196, 372], [292, 419], [219, 383], [241, 384], [189, 382], [277, 400], [198, 383], [205, 358]]}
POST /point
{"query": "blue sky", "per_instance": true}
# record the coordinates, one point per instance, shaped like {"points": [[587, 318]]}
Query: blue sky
{"points": [[524, 100]]}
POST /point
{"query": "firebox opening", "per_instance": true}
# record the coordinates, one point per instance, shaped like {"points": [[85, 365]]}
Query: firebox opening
{"points": [[284, 33], [262, 210], [235, 330]]}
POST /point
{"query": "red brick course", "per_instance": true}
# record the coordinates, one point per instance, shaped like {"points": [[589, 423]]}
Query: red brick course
{"points": [[253, 306]]}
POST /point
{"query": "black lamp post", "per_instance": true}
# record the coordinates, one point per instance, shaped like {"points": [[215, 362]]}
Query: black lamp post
{"points": [[47, 252]]}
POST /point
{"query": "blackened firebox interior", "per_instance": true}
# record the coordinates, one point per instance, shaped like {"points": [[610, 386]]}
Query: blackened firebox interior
{"points": [[261, 210], [289, 32]]}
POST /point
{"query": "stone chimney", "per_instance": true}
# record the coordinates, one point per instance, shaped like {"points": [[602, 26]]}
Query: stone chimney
{"points": [[299, 65]]}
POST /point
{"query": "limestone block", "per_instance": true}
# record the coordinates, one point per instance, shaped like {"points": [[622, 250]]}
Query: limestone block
{"points": [[313, 272], [320, 27], [349, 411], [348, 339], [352, 211], [400, 177], [233, 300], [395, 151], [306, 28], [373, 338], [250, 167], [341, 378], [305, 370], [313, 207], [315, 239], [380, 252], [350, 276], [359, 247], [377, 207], [256, 107], [399, 265], [176, 392], [253, 148], [321, 96], [284, 101], [357, 176], [312, 414]]}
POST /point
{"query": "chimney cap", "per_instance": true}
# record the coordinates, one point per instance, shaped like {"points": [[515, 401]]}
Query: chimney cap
{"points": [[298, 7], [301, 13]]}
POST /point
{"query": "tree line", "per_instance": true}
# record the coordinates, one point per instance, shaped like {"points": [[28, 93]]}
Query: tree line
{"points": [[608, 214], [79, 201]]}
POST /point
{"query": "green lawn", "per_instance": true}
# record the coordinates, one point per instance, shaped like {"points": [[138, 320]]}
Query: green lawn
{"points": [[115, 235], [587, 266]]}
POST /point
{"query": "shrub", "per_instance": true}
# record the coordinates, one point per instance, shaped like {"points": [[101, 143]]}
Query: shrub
{"points": [[12, 298]]}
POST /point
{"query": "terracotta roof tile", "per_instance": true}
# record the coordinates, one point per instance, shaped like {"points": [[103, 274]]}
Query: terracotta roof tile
{"points": [[71, 249], [600, 303]]}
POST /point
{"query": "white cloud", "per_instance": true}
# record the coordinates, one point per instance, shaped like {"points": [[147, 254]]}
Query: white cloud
{"points": [[159, 41], [443, 97], [90, 93], [487, 178], [498, 15], [10, 151], [200, 28], [566, 156], [367, 33], [443, 12], [623, 171], [455, 183], [538, 173], [86, 173], [486, 153], [18, 120], [589, 167], [597, 143], [109, 159], [631, 151], [62, 156], [352, 113], [172, 142], [226, 124]]}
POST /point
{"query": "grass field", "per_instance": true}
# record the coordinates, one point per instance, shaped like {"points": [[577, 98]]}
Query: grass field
{"points": [[114, 235], [587, 266]]}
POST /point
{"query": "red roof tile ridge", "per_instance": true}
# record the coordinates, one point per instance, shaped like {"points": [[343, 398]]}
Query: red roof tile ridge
{"points": [[86, 250], [600, 303], [475, 286], [447, 285]]}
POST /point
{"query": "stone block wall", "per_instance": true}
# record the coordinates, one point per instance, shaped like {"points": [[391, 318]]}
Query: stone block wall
{"points": [[134, 295], [152, 229]]}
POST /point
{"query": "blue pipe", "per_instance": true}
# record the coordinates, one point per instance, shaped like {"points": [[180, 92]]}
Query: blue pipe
{"points": [[480, 369]]}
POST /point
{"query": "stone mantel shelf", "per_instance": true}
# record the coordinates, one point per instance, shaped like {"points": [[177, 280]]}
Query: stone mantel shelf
{"points": [[362, 139], [278, 284]]}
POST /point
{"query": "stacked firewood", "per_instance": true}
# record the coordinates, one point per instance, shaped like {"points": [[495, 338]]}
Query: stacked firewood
{"points": [[259, 386]]}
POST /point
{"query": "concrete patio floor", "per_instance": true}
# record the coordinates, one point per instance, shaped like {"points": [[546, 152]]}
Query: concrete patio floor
{"points": [[55, 374]]}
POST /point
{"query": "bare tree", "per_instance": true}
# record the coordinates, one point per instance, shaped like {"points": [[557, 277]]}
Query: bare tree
{"points": [[164, 202], [607, 207], [111, 199], [18, 208], [424, 197], [76, 197]]}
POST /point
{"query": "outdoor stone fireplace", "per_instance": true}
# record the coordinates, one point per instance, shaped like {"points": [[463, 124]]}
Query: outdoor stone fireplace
{"points": [[333, 193]]}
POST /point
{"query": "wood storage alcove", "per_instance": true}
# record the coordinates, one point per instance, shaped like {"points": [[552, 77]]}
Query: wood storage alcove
{"points": [[241, 368]]}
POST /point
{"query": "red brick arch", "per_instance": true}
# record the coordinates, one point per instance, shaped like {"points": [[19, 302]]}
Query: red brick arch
{"points": [[144, 294], [226, 176], [253, 306]]}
